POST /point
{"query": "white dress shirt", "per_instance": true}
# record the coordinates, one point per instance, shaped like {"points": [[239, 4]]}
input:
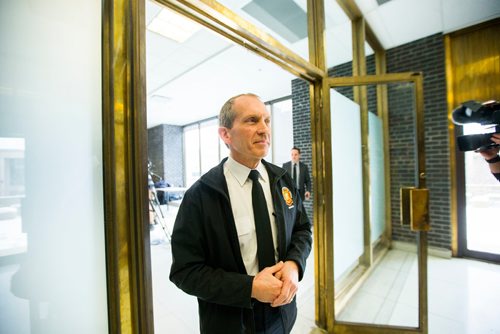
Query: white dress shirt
{"points": [[240, 195]]}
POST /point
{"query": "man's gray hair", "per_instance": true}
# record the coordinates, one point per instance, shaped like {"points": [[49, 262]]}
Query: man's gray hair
{"points": [[227, 114]]}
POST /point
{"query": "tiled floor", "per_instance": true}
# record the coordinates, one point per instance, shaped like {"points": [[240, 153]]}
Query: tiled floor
{"points": [[464, 295]]}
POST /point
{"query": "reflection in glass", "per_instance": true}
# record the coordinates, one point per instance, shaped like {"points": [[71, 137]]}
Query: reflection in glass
{"points": [[12, 190]]}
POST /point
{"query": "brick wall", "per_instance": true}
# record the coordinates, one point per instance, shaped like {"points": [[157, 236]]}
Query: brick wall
{"points": [[302, 131], [165, 151], [427, 56]]}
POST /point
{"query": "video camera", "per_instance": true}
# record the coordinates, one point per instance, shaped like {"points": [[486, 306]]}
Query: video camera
{"points": [[486, 114]]}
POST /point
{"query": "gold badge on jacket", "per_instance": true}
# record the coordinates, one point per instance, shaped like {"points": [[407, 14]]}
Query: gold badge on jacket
{"points": [[287, 196]]}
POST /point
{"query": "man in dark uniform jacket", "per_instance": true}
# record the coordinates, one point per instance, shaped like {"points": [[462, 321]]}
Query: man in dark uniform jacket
{"points": [[300, 173], [214, 240]]}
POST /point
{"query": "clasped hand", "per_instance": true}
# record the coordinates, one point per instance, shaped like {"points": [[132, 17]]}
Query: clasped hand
{"points": [[277, 284]]}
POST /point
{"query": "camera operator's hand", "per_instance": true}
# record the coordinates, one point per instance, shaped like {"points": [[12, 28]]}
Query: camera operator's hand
{"points": [[491, 156], [496, 138], [492, 152]]}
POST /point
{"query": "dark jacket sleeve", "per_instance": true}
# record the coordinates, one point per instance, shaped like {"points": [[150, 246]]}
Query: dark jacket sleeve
{"points": [[200, 265], [307, 179]]}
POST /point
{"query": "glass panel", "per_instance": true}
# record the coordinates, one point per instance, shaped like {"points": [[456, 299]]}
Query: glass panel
{"points": [[52, 248], [482, 200], [387, 294], [282, 136], [192, 154], [209, 141], [347, 191], [377, 177], [338, 35]]}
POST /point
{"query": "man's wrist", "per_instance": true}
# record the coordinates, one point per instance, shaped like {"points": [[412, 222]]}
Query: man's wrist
{"points": [[493, 160]]}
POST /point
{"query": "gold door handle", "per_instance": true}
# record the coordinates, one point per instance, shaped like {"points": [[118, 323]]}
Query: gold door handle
{"points": [[415, 208]]}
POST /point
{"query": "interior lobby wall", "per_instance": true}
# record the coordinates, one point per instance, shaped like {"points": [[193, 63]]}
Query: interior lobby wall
{"points": [[426, 55], [165, 151]]}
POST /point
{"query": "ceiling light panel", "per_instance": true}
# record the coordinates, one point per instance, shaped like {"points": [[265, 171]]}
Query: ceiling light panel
{"points": [[171, 25]]}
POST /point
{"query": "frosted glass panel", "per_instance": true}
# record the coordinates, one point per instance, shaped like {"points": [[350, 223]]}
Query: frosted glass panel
{"points": [[377, 175], [209, 145], [52, 254], [191, 154], [282, 128], [347, 183]]}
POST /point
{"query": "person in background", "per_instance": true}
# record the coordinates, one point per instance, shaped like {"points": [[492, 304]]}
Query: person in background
{"points": [[300, 173], [241, 237], [491, 156]]}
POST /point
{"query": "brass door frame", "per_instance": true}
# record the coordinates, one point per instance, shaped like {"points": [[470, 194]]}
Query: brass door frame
{"points": [[420, 183], [125, 145], [128, 267]]}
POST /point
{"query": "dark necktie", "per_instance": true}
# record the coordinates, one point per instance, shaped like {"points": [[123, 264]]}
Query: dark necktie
{"points": [[265, 246], [294, 174]]}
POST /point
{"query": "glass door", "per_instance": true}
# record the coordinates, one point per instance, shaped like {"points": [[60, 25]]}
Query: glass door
{"points": [[378, 282]]}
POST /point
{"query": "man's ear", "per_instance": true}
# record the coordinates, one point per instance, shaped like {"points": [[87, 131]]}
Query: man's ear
{"points": [[224, 135]]}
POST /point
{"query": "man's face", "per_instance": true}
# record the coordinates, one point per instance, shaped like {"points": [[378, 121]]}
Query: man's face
{"points": [[295, 156], [249, 138]]}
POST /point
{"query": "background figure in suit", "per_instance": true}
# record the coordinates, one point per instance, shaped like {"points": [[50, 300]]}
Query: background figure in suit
{"points": [[300, 173]]}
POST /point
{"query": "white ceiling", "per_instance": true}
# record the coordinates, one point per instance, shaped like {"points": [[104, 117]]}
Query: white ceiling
{"points": [[190, 81]]}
